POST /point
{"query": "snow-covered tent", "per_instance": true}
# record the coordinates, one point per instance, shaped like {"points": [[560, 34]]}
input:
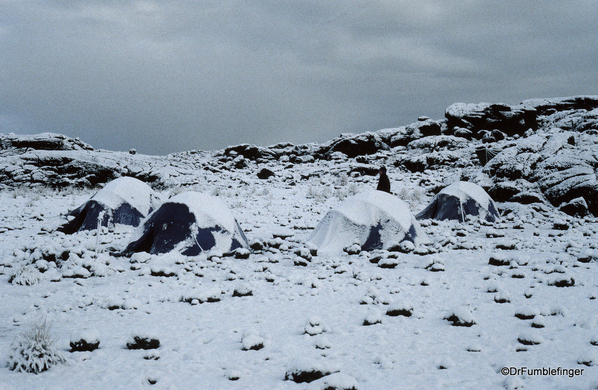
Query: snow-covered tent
{"points": [[373, 219], [125, 201], [459, 200], [189, 223]]}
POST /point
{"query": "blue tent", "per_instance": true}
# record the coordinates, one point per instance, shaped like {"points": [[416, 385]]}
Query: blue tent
{"points": [[458, 201], [125, 201], [189, 223]]}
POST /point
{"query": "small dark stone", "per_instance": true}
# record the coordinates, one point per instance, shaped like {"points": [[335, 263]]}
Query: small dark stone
{"points": [[163, 273], [498, 261], [563, 282], [523, 316], [399, 312], [299, 376], [242, 292], [456, 321], [84, 346], [560, 225], [143, 343]]}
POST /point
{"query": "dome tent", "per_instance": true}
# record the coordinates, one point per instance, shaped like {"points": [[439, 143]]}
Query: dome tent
{"points": [[190, 223], [373, 219], [459, 200], [125, 201]]}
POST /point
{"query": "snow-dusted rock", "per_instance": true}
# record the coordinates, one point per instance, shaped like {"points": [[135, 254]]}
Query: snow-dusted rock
{"points": [[337, 381], [356, 145], [486, 116], [43, 141], [460, 316], [252, 341], [314, 326], [303, 370], [86, 341], [143, 340], [560, 165], [549, 105]]}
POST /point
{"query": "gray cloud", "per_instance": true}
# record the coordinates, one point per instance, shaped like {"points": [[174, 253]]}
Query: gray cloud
{"points": [[165, 76]]}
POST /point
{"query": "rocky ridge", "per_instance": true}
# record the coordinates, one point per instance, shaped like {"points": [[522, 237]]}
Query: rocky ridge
{"points": [[539, 151]]}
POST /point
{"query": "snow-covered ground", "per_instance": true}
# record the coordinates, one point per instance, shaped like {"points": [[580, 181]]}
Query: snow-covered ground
{"points": [[374, 320], [477, 305]]}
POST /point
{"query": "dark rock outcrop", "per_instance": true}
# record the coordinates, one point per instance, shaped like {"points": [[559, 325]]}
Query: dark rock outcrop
{"points": [[556, 168], [44, 141], [547, 106], [356, 145], [477, 118]]}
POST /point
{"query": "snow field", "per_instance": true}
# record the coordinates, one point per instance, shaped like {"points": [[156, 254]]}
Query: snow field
{"points": [[211, 340]]}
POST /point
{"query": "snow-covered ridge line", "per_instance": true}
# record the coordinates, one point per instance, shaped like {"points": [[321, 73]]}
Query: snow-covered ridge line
{"points": [[514, 287], [546, 153]]}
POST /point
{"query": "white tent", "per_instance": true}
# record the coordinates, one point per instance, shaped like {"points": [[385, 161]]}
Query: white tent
{"points": [[189, 223], [373, 220], [460, 200]]}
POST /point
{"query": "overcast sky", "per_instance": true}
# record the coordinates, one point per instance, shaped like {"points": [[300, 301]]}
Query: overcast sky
{"points": [[173, 75]]}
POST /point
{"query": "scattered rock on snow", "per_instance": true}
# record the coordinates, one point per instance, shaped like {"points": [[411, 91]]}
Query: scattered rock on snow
{"points": [[252, 341], [242, 290], [242, 253], [539, 323], [530, 338], [353, 249], [337, 381], [562, 281], [212, 294], [314, 326], [143, 341], [589, 358], [388, 262], [373, 317], [460, 316], [500, 259], [88, 341], [502, 296], [445, 363], [308, 370], [587, 256], [527, 313], [404, 308]]}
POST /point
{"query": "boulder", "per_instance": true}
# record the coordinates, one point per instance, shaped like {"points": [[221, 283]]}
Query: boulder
{"points": [[355, 145], [577, 207]]}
